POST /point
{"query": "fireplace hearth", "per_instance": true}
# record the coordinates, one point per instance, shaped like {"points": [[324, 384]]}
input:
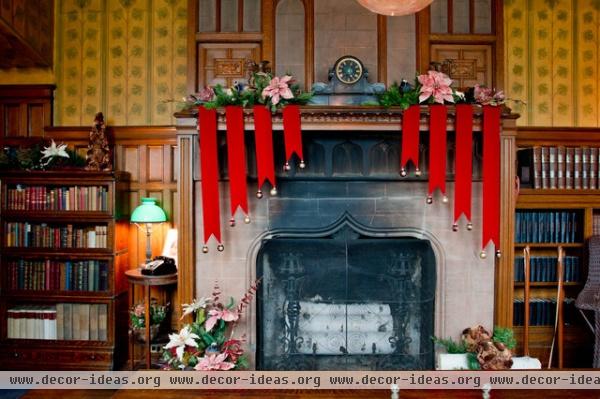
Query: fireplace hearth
{"points": [[345, 301]]}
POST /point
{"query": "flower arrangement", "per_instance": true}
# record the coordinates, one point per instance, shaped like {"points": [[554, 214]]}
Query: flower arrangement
{"points": [[435, 87], [263, 88], [484, 350], [40, 157], [208, 343], [158, 313]]}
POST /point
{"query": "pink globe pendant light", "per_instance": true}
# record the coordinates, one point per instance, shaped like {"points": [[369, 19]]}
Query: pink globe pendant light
{"points": [[395, 7]]}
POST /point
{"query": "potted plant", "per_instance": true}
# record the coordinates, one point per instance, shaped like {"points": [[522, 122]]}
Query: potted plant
{"points": [[137, 319]]}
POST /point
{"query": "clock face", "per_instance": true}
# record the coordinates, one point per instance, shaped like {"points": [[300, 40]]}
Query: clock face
{"points": [[348, 70]]}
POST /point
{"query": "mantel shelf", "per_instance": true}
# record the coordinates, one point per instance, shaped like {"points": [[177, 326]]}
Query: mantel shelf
{"points": [[346, 118]]}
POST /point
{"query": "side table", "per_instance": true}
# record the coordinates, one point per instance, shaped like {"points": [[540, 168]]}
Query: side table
{"points": [[135, 277]]}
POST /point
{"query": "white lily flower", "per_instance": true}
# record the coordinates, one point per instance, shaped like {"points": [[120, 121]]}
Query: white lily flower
{"points": [[184, 338], [54, 151], [459, 94], [195, 306]]}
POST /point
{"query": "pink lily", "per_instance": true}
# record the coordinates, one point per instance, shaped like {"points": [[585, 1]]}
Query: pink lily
{"points": [[278, 88], [214, 362], [216, 315], [436, 84]]}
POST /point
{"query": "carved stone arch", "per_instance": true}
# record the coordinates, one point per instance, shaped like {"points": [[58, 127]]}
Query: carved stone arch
{"points": [[347, 159]]}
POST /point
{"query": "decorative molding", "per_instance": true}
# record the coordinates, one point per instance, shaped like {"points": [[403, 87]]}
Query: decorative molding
{"points": [[229, 67]]}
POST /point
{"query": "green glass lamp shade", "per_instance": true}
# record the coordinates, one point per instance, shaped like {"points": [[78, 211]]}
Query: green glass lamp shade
{"points": [[148, 212]]}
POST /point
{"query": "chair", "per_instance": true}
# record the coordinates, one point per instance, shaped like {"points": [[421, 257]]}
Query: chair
{"points": [[589, 297]]}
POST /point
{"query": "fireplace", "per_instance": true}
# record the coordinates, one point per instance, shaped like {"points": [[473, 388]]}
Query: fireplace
{"points": [[349, 197], [345, 301]]}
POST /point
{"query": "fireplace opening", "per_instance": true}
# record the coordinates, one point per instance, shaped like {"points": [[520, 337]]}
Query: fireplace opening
{"points": [[345, 302]]}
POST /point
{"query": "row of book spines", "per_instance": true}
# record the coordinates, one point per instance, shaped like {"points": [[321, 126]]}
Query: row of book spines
{"points": [[546, 227], [545, 269], [542, 311], [64, 321], [565, 167], [31, 322], [50, 275], [43, 236], [42, 198]]}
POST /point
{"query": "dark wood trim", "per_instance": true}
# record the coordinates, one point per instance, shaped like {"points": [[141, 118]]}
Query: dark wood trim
{"points": [[423, 28], [240, 15], [450, 10], [268, 29], [309, 43], [498, 29], [121, 134], [229, 37], [192, 49], [440, 38], [472, 16], [551, 136], [382, 49], [217, 15]]}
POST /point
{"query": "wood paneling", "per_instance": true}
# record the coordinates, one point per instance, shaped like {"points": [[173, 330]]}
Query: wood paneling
{"points": [[469, 64], [224, 63], [25, 110]]}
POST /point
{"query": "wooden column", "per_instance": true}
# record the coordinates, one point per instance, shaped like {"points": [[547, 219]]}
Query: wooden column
{"points": [[503, 297], [186, 283]]}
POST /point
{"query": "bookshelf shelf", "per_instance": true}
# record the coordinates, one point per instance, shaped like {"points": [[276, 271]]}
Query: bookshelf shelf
{"points": [[548, 284], [85, 321]]}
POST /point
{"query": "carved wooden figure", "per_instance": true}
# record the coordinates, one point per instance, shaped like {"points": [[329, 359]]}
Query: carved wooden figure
{"points": [[98, 154]]}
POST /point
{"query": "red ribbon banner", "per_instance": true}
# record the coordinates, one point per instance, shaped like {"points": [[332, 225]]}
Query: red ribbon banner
{"points": [[491, 176], [236, 157], [464, 161], [263, 133], [410, 138], [291, 132], [209, 169], [437, 148]]}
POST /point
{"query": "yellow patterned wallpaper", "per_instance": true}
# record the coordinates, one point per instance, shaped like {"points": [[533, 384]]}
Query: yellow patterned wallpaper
{"points": [[552, 55], [121, 57]]}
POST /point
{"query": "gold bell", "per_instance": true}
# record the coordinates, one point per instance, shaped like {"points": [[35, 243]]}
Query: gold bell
{"points": [[205, 249], [287, 166], [454, 227], [445, 199], [498, 254], [259, 194], [429, 199], [274, 191], [418, 172], [403, 172], [482, 255], [247, 219], [469, 226], [302, 164], [232, 222], [220, 247]]}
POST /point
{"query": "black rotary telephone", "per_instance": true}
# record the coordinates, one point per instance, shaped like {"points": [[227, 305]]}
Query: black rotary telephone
{"points": [[159, 266]]}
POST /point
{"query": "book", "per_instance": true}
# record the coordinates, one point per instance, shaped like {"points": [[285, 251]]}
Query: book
{"points": [[560, 166], [545, 167], [569, 169], [585, 168], [93, 328], [537, 167], [102, 322], [552, 168], [593, 168], [577, 168]]}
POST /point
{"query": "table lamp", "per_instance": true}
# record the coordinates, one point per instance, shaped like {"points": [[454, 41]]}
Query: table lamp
{"points": [[148, 212]]}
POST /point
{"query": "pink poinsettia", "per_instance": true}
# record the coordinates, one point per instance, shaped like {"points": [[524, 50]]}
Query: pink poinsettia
{"points": [[217, 314], [214, 362], [437, 85], [486, 96], [278, 88]]}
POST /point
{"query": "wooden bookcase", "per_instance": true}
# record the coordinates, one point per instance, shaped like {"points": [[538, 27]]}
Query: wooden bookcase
{"points": [[76, 277], [577, 340]]}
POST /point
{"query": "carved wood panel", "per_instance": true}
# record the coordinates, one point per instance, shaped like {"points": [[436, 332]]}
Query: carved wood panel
{"points": [[469, 64], [223, 63], [25, 110]]}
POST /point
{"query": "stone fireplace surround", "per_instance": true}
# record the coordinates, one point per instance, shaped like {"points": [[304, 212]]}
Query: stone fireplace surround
{"points": [[381, 207]]}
